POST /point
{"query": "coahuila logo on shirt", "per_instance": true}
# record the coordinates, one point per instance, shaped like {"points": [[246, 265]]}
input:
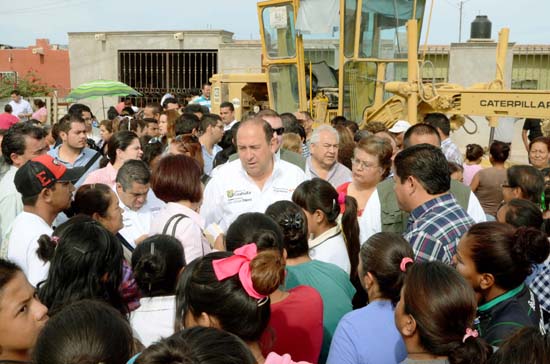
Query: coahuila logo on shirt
{"points": [[238, 195]]}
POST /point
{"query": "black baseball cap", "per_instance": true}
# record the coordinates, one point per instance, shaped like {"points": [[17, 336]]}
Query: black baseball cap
{"points": [[43, 172]]}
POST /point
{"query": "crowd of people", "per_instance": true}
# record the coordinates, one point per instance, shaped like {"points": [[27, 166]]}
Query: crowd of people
{"points": [[183, 236]]}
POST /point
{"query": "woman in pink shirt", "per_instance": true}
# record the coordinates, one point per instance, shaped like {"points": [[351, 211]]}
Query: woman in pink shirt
{"points": [[176, 181], [41, 113], [122, 146]]}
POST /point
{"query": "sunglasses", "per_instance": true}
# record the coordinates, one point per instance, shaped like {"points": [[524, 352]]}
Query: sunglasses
{"points": [[279, 131]]}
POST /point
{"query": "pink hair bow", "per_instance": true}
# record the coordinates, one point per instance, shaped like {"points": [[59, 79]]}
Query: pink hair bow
{"points": [[470, 333], [238, 263]]}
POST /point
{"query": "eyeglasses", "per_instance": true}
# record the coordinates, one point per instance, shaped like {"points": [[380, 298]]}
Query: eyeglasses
{"points": [[363, 164], [154, 140], [279, 131]]}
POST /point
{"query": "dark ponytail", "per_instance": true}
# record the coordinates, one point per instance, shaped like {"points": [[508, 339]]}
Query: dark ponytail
{"points": [[383, 256], [443, 306], [473, 350], [46, 247], [350, 229]]}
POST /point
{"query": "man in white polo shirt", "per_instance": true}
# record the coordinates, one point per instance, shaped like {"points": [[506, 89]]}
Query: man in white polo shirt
{"points": [[253, 182], [46, 188], [138, 202]]}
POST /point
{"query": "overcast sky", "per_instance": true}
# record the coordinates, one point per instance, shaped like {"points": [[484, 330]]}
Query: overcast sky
{"points": [[21, 22]]}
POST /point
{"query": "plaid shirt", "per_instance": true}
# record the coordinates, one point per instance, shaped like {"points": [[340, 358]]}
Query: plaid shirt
{"points": [[435, 228], [540, 286], [451, 151]]}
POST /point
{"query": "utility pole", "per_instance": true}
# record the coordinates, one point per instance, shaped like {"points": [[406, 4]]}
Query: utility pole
{"points": [[460, 5]]}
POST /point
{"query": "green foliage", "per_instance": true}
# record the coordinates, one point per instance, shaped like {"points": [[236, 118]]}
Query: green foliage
{"points": [[29, 85]]}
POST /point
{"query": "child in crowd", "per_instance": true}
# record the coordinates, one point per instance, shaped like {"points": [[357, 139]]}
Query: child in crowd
{"points": [[329, 240], [328, 279], [296, 323], [368, 335], [204, 345], [156, 263], [487, 183], [85, 262], [472, 163], [85, 332], [496, 259], [527, 345], [435, 316], [230, 291], [22, 316]]}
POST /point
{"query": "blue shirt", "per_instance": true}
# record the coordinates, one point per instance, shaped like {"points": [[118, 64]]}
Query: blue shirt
{"points": [[209, 158], [368, 335], [84, 157], [203, 101]]}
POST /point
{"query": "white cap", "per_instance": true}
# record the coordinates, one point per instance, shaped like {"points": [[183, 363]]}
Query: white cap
{"points": [[400, 126]]}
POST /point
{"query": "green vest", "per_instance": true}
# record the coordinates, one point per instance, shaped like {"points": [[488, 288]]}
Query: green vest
{"points": [[394, 219]]}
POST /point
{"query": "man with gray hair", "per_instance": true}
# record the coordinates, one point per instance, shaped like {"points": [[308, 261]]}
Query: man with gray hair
{"points": [[138, 202], [323, 161]]}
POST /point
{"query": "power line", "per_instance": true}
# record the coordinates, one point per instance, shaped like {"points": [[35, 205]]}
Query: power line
{"points": [[43, 7]]}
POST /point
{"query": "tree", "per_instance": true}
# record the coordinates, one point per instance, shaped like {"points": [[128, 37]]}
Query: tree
{"points": [[29, 85]]}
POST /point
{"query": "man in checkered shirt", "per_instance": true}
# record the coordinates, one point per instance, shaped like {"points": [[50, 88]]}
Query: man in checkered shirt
{"points": [[436, 222]]}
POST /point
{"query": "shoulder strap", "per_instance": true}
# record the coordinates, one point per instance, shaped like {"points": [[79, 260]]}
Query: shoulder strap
{"points": [[124, 242], [177, 218], [91, 162]]}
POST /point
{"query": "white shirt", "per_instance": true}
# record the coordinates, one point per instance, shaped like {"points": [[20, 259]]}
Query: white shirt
{"points": [[330, 247], [370, 221], [138, 223], [22, 241], [154, 319], [229, 126], [21, 107], [232, 192], [10, 200]]}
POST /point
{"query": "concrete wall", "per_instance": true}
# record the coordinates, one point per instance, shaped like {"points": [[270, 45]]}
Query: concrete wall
{"points": [[92, 59], [471, 63], [240, 57]]}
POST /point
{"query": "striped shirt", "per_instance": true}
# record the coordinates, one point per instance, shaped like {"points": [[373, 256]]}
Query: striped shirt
{"points": [[435, 227]]}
